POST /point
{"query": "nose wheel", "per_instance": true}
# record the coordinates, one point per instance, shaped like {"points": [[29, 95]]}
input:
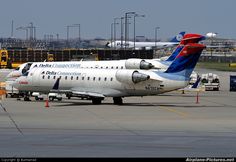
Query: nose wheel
{"points": [[27, 96]]}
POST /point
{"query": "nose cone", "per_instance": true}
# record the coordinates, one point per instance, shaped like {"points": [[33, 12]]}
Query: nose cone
{"points": [[20, 83], [13, 74]]}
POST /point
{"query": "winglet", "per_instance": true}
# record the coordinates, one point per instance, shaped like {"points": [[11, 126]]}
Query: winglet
{"points": [[56, 85]]}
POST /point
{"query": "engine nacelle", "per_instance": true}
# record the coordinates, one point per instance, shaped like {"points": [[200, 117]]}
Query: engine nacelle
{"points": [[137, 64], [131, 76]]}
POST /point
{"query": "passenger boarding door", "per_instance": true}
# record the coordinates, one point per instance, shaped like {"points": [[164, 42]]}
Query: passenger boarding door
{"points": [[32, 78]]}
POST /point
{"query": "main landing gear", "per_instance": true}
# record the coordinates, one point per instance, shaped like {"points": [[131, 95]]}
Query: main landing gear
{"points": [[97, 100], [27, 96], [117, 100]]}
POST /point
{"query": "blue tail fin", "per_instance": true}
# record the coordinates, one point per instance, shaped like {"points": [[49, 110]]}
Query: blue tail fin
{"points": [[195, 85], [178, 37], [188, 38], [56, 85], [186, 60], [175, 53]]}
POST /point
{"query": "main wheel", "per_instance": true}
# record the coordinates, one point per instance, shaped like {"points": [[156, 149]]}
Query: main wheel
{"points": [[117, 100], [97, 101]]}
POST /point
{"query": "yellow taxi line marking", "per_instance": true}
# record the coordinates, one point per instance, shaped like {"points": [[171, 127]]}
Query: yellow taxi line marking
{"points": [[175, 111]]}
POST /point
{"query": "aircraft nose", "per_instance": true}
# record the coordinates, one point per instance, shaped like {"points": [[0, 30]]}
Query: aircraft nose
{"points": [[15, 84], [20, 82], [13, 74], [108, 45]]}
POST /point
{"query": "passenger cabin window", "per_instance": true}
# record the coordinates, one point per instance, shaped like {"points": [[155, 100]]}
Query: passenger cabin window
{"points": [[88, 78], [65, 77], [82, 78], [43, 77], [77, 78], [54, 77], [49, 77], [111, 79], [94, 78], [99, 78], [71, 78], [105, 79]]}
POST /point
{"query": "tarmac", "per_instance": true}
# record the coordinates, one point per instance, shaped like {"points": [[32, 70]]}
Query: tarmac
{"points": [[169, 125]]}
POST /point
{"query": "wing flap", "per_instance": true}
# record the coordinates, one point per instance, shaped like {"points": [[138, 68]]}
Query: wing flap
{"points": [[90, 94]]}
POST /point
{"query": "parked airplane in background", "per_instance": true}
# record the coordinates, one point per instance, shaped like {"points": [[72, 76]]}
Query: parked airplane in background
{"points": [[195, 87], [132, 63], [147, 45], [96, 84]]}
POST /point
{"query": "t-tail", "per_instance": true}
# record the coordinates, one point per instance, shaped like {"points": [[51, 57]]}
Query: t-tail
{"points": [[178, 37], [186, 60], [187, 38]]}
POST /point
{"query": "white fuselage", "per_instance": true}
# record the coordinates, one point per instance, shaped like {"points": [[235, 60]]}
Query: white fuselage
{"points": [[111, 64], [140, 45], [108, 82]]}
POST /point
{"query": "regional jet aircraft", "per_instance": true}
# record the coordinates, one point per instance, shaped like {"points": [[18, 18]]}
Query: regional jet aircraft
{"points": [[112, 64], [147, 45], [96, 84]]}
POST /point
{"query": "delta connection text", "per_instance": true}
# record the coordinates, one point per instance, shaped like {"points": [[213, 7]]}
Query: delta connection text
{"points": [[45, 65]]}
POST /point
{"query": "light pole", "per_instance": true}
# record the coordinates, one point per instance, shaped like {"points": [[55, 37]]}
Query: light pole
{"points": [[156, 29], [121, 31], [23, 28], [126, 26], [111, 33], [68, 30], [77, 25], [67, 35], [115, 23], [136, 15]]}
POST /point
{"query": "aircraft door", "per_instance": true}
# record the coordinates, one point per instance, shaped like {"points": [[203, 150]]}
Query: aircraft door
{"points": [[33, 77]]}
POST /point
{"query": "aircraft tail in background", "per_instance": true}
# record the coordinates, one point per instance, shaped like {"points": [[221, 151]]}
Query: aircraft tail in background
{"points": [[178, 37]]}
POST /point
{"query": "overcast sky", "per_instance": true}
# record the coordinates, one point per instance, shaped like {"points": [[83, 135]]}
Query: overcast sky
{"points": [[96, 16]]}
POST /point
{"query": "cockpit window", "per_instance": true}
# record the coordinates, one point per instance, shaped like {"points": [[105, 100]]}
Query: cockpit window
{"points": [[17, 68], [26, 68], [26, 73]]}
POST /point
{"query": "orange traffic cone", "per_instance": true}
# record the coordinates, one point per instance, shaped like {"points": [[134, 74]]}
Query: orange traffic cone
{"points": [[46, 103]]}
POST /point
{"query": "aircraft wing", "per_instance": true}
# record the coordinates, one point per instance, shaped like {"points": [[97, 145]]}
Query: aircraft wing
{"points": [[90, 92], [87, 93], [80, 92]]}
